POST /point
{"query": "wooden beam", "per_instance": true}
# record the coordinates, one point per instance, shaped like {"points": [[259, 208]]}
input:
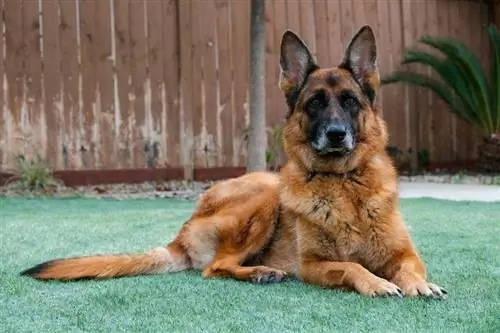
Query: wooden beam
{"points": [[73, 178]]}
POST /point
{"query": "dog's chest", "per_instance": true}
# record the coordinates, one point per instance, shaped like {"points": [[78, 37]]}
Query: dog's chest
{"points": [[345, 207], [345, 225]]}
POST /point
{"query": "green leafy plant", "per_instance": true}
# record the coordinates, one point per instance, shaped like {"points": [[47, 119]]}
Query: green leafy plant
{"points": [[33, 176], [423, 158], [463, 85], [401, 158], [274, 146]]}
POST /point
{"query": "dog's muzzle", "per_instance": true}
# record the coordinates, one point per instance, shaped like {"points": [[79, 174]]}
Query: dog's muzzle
{"points": [[336, 138]]}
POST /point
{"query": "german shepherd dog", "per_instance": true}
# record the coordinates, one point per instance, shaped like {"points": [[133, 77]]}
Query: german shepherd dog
{"points": [[330, 217]]}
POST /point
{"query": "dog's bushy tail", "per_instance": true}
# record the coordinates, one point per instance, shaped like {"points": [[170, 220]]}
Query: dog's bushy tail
{"points": [[156, 261]]}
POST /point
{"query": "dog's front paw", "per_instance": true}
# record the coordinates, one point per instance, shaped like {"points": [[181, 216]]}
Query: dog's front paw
{"points": [[378, 287], [420, 287]]}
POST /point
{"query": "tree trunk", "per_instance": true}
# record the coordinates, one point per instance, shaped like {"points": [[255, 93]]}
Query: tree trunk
{"points": [[257, 140], [489, 155]]}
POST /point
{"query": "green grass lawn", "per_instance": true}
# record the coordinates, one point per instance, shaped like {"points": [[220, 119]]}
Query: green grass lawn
{"points": [[460, 243]]}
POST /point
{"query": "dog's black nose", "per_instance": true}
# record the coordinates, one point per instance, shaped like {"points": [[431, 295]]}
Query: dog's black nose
{"points": [[336, 133]]}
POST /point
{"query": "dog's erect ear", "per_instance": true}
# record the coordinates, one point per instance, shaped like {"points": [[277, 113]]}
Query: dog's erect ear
{"points": [[361, 60], [296, 63]]}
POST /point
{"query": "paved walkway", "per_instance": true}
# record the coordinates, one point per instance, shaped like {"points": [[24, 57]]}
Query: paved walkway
{"points": [[450, 191]]}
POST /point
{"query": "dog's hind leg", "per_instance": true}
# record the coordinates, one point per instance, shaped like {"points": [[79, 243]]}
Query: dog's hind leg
{"points": [[230, 266], [216, 245], [237, 245], [223, 241]]}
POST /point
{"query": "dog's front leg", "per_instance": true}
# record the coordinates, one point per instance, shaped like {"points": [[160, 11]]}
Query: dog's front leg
{"points": [[407, 270], [349, 275]]}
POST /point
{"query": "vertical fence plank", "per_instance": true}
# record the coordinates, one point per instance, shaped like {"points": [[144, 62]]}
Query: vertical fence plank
{"points": [[390, 110], [421, 98], [52, 84], [209, 81], [13, 71], [275, 106], [292, 16], [485, 54], [186, 88], [322, 28], [122, 69], [461, 31], [278, 105], [362, 14], [394, 106], [334, 29], [454, 18], [138, 71], [105, 114], [32, 76], [225, 103], [307, 24], [412, 138], [196, 98], [428, 113], [68, 30], [156, 148], [452, 32], [442, 129], [88, 82], [241, 40], [347, 21], [272, 66], [475, 38], [171, 79], [3, 112]]}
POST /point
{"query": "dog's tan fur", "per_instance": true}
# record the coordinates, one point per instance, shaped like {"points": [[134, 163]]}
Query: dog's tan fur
{"points": [[332, 222]]}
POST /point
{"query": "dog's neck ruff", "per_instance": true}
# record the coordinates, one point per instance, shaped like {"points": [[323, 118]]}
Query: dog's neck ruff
{"points": [[344, 175]]}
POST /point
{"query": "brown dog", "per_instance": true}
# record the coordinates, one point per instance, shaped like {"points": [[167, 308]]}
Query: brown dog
{"points": [[330, 217]]}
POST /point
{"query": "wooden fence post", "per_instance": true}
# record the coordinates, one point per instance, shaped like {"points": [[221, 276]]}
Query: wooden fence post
{"points": [[184, 9], [494, 10]]}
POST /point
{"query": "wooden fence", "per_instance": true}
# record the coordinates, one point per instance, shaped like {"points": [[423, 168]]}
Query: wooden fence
{"points": [[105, 84]]}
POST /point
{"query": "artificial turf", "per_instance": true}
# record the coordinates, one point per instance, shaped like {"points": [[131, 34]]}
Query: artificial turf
{"points": [[459, 241]]}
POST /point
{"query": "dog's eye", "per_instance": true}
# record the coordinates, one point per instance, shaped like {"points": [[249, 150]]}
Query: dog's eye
{"points": [[349, 102], [317, 102], [314, 103]]}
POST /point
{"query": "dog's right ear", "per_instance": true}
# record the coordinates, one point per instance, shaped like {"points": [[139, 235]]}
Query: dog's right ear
{"points": [[296, 63]]}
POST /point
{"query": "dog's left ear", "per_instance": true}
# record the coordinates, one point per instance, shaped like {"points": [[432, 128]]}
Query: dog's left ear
{"points": [[361, 60]]}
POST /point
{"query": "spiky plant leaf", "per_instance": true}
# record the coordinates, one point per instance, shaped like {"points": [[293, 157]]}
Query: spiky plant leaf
{"points": [[443, 90], [476, 99], [469, 64], [449, 72]]}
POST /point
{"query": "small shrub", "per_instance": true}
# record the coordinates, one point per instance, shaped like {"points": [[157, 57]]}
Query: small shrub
{"points": [[402, 159], [274, 147], [33, 176], [424, 158], [469, 91]]}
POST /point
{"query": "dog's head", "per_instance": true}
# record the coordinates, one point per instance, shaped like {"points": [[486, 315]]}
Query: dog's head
{"points": [[332, 124]]}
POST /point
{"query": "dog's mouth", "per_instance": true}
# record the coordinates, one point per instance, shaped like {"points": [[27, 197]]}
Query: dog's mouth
{"points": [[334, 152]]}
